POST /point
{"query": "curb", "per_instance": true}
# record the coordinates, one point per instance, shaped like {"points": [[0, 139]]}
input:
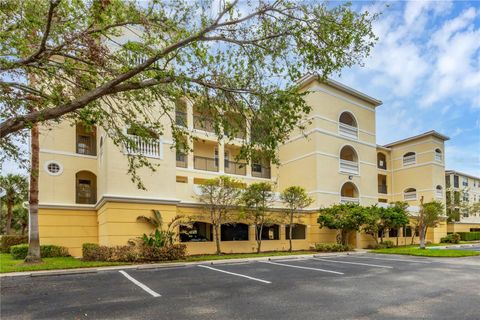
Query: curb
{"points": [[44, 273]]}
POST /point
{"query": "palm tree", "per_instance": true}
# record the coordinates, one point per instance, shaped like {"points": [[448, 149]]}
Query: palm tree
{"points": [[164, 237], [16, 188]]}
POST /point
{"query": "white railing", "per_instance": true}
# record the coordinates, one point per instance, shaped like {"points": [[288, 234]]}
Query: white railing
{"points": [[410, 195], [349, 200], [347, 130], [438, 157], [348, 166], [147, 147], [439, 193], [409, 160]]}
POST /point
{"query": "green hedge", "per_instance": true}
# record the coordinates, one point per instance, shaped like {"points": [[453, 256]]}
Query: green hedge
{"points": [[132, 253], [46, 251], [469, 236], [332, 247], [11, 240], [451, 238]]}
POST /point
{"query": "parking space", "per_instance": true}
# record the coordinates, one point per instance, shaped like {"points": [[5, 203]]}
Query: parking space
{"points": [[334, 287]]}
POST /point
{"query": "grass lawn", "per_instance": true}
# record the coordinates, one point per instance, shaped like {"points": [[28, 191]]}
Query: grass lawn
{"points": [[415, 251], [8, 264]]}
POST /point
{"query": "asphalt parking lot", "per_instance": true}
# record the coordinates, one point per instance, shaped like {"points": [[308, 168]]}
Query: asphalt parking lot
{"points": [[363, 286]]}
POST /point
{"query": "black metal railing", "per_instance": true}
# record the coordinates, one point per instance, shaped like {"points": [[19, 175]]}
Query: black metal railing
{"points": [[204, 163], [260, 171], [237, 168], [203, 123]]}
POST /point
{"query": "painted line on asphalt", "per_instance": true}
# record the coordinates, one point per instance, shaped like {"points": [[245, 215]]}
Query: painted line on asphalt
{"points": [[141, 285], [300, 267], [357, 263], [389, 259], [234, 274]]}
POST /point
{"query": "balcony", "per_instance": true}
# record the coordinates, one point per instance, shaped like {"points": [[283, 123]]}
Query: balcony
{"points": [[382, 189], [348, 166], [260, 171], [409, 160], [181, 160], [181, 118], [146, 147], [203, 123], [410, 196], [349, 200], [205, 164], [237, 168], [439, 193], [438, 157], [347, 130]]}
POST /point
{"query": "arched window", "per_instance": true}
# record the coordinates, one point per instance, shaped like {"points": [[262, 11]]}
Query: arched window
{"points": [[271, 232], [86, 139], [439, 191], [234, 232], [299, 232], [438, 155], [196, 232], [409, 158], [381, 161], [348, 160], [349, 193], [86, 187], [410, 194], [347, 125]]}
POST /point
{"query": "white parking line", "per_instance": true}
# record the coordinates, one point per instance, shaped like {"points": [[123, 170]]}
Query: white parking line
{"points": [[141, 285], [300, 267], [389, 259], [357, 263], [235, 274]]}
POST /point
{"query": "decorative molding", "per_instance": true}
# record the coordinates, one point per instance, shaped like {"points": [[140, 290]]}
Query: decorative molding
{"points": [[71, 154], [319, 89], [318, 130]]}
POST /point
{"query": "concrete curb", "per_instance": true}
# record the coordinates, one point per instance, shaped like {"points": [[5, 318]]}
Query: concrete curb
{"points": [[457, 246], [166, 265]]}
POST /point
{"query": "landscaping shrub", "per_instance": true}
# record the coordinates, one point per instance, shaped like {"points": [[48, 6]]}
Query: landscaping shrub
{"points": [[451, 238], [332, 247], [382, 245], [11, 240], [133, 253], [469, 236], [20, 251]]}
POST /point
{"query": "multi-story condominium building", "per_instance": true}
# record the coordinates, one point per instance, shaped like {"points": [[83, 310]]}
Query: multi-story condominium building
{"points": [[463, 190], [86, 194]]}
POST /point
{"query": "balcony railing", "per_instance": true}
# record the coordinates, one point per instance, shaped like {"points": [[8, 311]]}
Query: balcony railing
{"points": [[349, 200], [203, 123], [409, 196], [146, 147], [181, 118], [237, 168], [182, 161], [439, 193], [348, 166], [204, 163], [260, 171], [382, 189], [438, 157], [347, 130], [408, 160]]}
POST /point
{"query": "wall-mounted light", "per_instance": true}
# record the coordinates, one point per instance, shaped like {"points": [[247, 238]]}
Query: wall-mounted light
{"points": [[350, 177]]}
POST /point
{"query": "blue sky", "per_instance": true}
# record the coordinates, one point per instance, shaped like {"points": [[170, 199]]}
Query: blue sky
{"points": [[426, 70]]}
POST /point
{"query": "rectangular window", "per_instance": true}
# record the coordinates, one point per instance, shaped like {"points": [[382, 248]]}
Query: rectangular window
{"points": [[447, 181], [455, 182], [298, 232], [407, 231], [465, 182], [392, 233]]}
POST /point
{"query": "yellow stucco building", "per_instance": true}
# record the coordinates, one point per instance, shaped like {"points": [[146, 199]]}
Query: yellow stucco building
{"points": [[86, 194]]}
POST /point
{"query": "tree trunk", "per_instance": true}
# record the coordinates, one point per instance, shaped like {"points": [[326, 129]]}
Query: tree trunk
{"points": [[34, 235], [217, 239], [422, 238], [8, 223], [258, 232], [344, 237], [23, 229], [290, 229]]}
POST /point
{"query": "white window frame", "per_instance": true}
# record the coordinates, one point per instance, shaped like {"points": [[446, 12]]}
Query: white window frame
{"points": [[47, 163]]}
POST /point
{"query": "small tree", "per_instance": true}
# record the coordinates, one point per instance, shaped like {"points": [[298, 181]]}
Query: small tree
{"points": [[295, 199], [373, 224], [257, 200], [345, 217], [16, 188], [219, 197], [429, 216], [398, 215], [160, 237]]}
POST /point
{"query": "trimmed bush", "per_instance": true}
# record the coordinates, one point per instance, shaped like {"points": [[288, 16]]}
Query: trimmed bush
{"points": [[469, 236], [382, 245], [20, 251], [11, 240], [133, 253], [332, 247], [451, 238]]}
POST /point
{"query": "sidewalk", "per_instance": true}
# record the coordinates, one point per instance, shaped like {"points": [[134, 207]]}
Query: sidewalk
{"points": [[174, 264]]}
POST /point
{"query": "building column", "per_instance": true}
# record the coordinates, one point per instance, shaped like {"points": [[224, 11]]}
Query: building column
{"points": [[190, 154], [189, 115], [221, 157]]}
